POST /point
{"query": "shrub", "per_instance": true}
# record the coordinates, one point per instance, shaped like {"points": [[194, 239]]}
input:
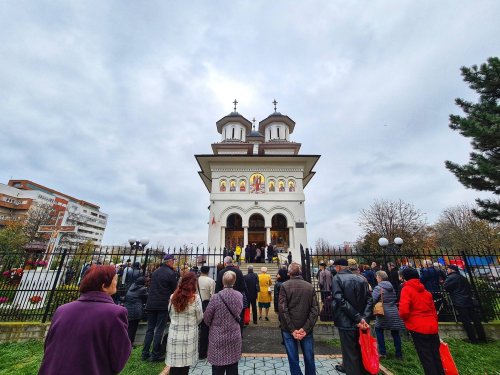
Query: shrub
{"points": [[488, 298]]}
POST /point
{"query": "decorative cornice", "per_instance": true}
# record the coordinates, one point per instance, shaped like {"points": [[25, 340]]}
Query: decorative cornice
{"points": [[257, 170]]}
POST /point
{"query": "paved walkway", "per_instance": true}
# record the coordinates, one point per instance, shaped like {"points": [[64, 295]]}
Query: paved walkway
{"points": [[271, 364]]}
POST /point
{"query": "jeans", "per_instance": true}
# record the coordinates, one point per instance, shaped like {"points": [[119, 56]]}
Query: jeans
{"points": [[381, 342], [154, 333], [292, 351]]}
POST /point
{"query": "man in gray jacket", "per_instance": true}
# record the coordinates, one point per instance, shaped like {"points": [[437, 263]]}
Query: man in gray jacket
{"points": [[298, 312]]}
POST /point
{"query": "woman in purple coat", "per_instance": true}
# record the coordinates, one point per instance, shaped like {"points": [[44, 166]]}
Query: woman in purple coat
{"points": [[89, 336], [222, 316]]}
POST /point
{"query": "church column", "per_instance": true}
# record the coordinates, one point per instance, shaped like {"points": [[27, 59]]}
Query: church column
{"points": [[222, 238], [245, 236], [268, 235], [291, 238]]}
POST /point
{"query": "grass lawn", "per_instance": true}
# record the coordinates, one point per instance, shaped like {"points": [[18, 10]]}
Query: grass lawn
{"points": [[25, 359], [470, 359]]}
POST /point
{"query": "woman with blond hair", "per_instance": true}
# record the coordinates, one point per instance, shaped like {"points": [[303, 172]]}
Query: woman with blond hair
{"points": [[185, 313], [264, 298]]}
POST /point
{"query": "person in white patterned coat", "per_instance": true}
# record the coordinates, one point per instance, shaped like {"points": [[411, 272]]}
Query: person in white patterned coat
{"points": [[185, 314], [222, 316]]}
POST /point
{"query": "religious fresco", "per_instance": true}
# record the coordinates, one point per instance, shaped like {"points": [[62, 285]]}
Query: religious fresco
{"points": [[257, 183], [281, 185], [232, 185], [291, 186], [272, 185], [222, 185], [243, 185]]}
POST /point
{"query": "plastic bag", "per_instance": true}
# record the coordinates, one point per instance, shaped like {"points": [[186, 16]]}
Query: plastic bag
{"points": [[447, 360], [369, 351], [246, 316]]}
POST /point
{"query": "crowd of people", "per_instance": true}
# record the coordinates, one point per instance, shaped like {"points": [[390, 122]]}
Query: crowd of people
{"points": [[206, 315]]}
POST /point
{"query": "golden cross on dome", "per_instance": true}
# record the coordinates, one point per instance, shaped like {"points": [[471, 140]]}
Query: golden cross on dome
{"points": [[235, 102]]}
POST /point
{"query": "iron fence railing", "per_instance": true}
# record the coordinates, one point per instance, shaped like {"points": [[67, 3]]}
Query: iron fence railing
{"points": [[31, 289], [481, 268]]}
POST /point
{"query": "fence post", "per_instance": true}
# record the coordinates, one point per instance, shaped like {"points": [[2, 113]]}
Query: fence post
{"points": [[308, 265], [54, 285], [473, 283]]}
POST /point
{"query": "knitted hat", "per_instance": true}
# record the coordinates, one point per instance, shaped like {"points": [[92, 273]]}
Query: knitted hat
{"points": [[410, 273]]}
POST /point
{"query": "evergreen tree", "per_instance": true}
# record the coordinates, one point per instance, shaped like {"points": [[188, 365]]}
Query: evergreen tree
{"points": [[481, 123]]}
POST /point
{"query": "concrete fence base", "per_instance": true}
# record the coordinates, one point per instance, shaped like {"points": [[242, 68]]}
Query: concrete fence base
{"points": [[25, 331]]}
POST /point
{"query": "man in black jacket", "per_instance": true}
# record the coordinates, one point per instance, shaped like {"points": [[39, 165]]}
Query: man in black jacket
{"points": [[163, 283], [461, 296], [253, 288], [239, 284], [394, 277], [352, 308]]}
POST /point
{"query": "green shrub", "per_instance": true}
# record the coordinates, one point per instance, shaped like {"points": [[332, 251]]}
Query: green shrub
{"points": [[488, 298]]}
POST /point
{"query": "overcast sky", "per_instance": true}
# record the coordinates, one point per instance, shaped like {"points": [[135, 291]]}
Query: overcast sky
{"points": [[109, 101]]}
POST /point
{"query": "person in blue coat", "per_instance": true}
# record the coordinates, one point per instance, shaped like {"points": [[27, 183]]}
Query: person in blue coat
{"points": [[89, 336]]}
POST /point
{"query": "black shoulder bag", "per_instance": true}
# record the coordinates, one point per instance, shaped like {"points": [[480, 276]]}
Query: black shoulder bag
{"points": [[237, 318]]}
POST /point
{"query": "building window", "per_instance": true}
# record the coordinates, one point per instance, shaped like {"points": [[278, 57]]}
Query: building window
{"points": [[278, 133], [233, 133], [241, 134], [270, 134]]}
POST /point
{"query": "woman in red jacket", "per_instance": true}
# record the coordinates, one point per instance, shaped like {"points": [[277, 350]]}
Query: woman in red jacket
{"points": [[416, 308]]}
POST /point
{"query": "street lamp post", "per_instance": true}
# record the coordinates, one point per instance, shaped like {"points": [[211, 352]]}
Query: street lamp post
{"points": [[136, 245], [391, 247]]}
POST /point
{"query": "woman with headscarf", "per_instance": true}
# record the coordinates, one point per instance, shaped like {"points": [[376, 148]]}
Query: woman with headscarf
{"points": [[185, 313], [222, 316], [264, 297], [134, 301], [416, 308]]}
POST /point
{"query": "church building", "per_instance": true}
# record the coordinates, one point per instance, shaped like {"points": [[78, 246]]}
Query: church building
{"points": [[256, 180]]}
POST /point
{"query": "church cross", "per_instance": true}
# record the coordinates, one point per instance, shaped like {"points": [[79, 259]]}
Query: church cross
{"points": [[235, 102], [55, 231], [253, 123], [275, 102]]}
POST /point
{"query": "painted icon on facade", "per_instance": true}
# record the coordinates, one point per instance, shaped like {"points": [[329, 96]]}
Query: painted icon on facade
{"points": [[272, 186], [243, 185], [257, 183], [281, 185], [291, 186], [222, 186], [232, 185]]}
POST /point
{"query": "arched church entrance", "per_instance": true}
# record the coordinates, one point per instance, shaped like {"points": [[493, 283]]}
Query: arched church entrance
{"points": [[257, 230], [280, 237], [234, 231]]}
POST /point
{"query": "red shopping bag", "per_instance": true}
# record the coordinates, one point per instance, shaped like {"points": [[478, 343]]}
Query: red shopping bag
{"points": [[369, 351], [447, 360], [246, 316]]}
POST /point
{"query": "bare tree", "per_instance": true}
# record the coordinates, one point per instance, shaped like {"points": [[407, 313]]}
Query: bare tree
{"points": [[39, 214], [392, 219], [459, 229]]}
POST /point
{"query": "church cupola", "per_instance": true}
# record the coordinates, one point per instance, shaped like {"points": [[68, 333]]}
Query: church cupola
{"points": [[276, 127], [234, 127]]}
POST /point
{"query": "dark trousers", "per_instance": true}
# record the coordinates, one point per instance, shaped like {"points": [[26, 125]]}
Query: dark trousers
{"points": [[427, 347], [253, 303], [157, 320], [228, 369], [203, 347], [381, 342], [468, 316], [132, 329], [351, 352], [179, 370]]}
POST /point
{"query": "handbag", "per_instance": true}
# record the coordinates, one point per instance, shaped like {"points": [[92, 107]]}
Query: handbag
{"points": [[378, 309], [447, 360], [246, 316], [369, 352]]}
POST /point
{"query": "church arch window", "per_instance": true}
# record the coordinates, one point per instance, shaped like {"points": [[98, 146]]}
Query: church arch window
{"points": [[257, 183], [272, 185], [280, 232], [291, 185], [232, 185], [256, 230], [270, 136], [281, 185], [233, 134], [278, 133], [222, 185], [241, 134], [243, 185], [234, 231]]}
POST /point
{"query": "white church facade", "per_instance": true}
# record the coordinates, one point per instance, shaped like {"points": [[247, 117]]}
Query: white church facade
{"points": [[256, 180]]}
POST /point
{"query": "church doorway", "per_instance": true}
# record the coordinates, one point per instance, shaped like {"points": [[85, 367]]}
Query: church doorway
{"points": [[279, 233], [257, 230], [234, 231]]}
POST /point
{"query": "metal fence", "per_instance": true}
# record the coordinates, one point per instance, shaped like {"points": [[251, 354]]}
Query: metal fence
{"points": [[481, 268], [31, 289]]}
